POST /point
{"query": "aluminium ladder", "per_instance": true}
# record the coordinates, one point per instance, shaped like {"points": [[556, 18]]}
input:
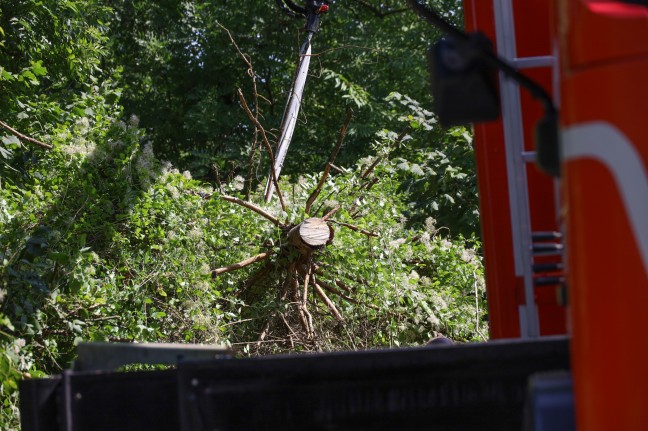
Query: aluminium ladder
{"points": [[526, 244]]}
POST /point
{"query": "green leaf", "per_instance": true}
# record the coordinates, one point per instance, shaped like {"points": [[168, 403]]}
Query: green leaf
{"points": [[5, 75], [29, 76], [4, 320], [60, 258], [11, 140], [6, 153], [11, 384], [38, 68]]}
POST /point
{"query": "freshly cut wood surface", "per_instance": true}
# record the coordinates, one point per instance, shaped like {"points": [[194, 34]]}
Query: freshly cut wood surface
{"points": [[314, 232], [310, 234]]}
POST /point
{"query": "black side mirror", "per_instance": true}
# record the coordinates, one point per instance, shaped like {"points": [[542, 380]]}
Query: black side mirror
{"points": [[464, 85]]}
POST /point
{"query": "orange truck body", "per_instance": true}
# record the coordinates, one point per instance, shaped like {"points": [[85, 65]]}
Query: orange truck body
{"points": [[604, 105], [600, 83]]}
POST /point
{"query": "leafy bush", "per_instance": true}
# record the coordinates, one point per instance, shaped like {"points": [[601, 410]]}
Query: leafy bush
{"points": [[101, 240], [436, 169], [393, 284]]}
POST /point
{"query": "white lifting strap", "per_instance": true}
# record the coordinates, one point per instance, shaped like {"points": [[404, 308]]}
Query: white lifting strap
{"points": [[290, 115]]}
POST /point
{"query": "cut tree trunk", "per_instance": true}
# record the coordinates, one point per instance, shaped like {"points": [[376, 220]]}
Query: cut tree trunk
{"points": [[310, 235]]}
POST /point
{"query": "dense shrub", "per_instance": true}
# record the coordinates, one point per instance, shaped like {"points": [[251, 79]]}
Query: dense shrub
{"points": [[102, 240]]}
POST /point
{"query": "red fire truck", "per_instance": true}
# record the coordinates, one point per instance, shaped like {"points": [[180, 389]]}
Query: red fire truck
{"points": [[592, 55], [566, 260]]}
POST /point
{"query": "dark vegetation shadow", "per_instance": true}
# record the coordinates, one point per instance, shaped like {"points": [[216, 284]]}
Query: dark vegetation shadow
{"points": [[45, 254]]}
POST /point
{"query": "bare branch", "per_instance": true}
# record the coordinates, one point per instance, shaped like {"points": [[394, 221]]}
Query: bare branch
{"points": [[345, 47], [309, 320], [331, 213], [370, 184], [252, 74], [327, 168], [372, 167], [306, 280], [338, 169], [331, 306], [267, 145], [294, 284], [394, 144], [342, 285], [241, 264], [342, 295], [254, 208], [356, 278], [305, 316], [255, 278], [379, 12], [250, 71], [290, 329], [264, 332], [25, 137], [356, 229], [100, 319]]}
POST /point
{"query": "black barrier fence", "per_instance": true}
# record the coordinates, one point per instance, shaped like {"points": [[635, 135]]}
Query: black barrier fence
{"points": [[457, 387]]}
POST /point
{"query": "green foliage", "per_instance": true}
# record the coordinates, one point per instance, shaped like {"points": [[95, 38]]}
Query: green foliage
{"points": [[100, 239], [181, 74], [416, 281], [9, 377], [52, 86], [403, 286], [436, 168]]}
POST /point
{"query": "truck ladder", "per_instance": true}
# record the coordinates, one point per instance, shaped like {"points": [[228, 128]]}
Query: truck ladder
{"points": [[526, 244]]}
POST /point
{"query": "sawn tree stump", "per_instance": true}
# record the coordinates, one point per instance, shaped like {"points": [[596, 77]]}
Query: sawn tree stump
{"points": [[310, 235]]}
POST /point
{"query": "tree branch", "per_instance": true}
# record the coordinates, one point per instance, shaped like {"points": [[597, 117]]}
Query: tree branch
{"points": [[378, 11], [25, 137], [255, 278], [254, 208], [331, 213], [327, 168], [290, 329], [343, 296], [331, 306], [252, 74], [241, 264], [267, 145], [264, 332], [398, 140], [338, 169], [356, 229], [368, 185], [294, 284], [306, 281], [342, 285]]}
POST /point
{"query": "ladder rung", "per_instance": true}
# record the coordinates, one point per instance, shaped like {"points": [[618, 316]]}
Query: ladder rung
{"points": [[529, 156], [547, 267], [548, 281], [531, 62], [547, 249], [546, 235]]}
